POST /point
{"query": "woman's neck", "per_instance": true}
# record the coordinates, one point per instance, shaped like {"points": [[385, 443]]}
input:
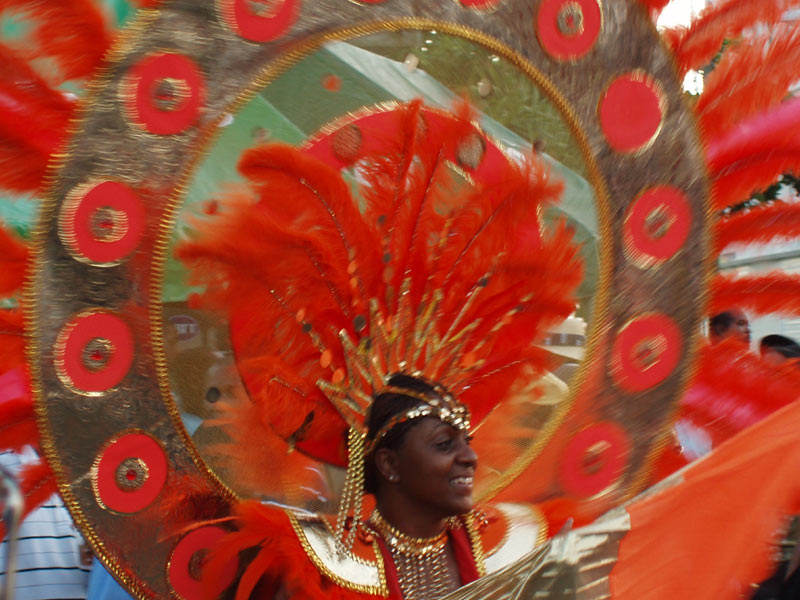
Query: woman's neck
{"points": [[407, 519]]}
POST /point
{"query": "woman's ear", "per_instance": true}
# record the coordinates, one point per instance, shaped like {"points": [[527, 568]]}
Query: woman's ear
{"points": [[386, 463]]}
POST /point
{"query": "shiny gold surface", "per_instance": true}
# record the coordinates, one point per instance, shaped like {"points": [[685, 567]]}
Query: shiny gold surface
{"points": [[526, 529], [574, 565], [346, 570]]}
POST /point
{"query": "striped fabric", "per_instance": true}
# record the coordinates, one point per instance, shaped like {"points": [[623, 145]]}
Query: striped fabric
{"points": [[49, 562]]}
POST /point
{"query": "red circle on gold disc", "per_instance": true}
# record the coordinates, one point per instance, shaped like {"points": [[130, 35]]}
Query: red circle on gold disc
{"points": [[104, 222], [645, 352], [595, 458], [186, 562], [164, 93], [269, 23], [657, 225], [568, 29], [113, 335], [125, 499], [631, 112]]}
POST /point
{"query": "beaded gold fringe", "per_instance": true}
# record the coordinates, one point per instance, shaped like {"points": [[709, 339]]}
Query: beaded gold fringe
{"points": [[351, 504]]}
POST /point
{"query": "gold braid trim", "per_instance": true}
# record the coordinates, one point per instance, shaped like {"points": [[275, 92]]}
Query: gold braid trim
{"points": [[475, 541]]}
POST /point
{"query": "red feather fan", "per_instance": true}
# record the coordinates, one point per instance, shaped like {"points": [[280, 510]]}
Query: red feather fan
{"points": [[274, 471], [729, 369], [33, 120], [756, 137], [17, 419]]}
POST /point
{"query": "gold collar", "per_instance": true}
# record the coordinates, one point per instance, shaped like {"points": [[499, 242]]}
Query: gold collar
{"points": [[403, 543]]}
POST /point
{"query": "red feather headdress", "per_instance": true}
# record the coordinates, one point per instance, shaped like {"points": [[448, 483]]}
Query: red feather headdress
{"points": [[434, 277]]}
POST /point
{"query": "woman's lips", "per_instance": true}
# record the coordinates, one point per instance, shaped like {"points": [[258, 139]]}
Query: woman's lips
{"points": [[462, 483]]}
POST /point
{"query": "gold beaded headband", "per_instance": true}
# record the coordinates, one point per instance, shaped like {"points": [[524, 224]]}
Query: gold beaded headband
{"points": [[445, 407]]}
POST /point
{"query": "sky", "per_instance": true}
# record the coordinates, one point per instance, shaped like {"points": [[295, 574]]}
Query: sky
{"points": [[679, 12]]}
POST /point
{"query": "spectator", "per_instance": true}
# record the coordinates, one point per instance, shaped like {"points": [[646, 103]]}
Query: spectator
{"points": [[53, 560], [778, 349], [731, 323]]}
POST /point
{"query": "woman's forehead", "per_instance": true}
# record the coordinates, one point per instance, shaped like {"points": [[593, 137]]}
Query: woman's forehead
{"points": [[431, 425]]}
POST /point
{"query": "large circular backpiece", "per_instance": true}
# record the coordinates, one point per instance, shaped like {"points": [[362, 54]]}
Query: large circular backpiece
{"points": [[126, 466]]}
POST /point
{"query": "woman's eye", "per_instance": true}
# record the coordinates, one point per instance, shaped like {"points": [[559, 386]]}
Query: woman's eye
{"points": [[469, 439], [445, 445]]}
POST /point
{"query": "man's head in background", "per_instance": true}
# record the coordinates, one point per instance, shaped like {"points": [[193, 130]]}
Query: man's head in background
{"points": [[731, 323]]}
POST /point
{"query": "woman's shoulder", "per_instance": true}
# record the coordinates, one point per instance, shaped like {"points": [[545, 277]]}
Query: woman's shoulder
{"points": [[361, 569]]}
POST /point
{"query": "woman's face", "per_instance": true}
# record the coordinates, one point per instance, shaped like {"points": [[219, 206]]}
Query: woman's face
{"points": [[434, 468]]}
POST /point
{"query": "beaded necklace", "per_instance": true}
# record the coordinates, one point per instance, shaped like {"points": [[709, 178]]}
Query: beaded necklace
{"points": [[421, 563]]}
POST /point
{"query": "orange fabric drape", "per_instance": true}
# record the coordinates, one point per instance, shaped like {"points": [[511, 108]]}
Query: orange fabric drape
{"points": [[712, 535]]}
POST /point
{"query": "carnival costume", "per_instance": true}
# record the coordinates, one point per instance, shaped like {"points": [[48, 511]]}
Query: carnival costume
{"points": [[404, 240]]}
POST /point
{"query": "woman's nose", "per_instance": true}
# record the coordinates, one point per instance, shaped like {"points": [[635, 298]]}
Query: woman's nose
{"points": [[467, 454]]}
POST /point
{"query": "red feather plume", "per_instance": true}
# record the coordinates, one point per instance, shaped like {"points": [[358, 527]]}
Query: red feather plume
{"points": [[753, 76], [297, 262], [271, 463], [280, 556], [695, 46], [758, 225], [730, 370], [13, 261], [739, 182], [12, 344], [72, 32], [773, 293], [33, 120]]}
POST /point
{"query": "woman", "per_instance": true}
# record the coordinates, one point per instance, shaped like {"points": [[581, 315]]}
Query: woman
{"points": [[421, 474]]}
